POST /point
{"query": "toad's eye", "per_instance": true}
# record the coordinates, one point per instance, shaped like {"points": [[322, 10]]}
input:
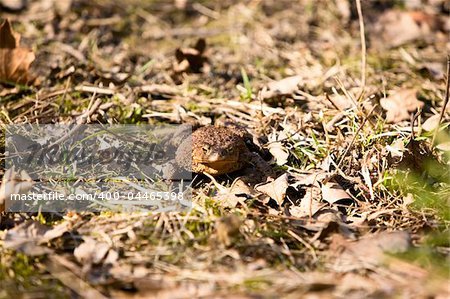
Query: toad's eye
{"points": [[206, 148]]}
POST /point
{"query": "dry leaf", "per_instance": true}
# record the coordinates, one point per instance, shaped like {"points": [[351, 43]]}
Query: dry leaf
{"points": [[399, 27], [62, 6], [282, 87], [14, 183], [276, 148], [191, 59], [444, 146], [275, 189], [400, 104], [14, 61], [431, 123], [396, 149], [91, 252], [238, 192], [26, 238], [13, 5], [55, 232], [308, 206], [433, 69], [369, 252], [311, 179], [279, 152], [333, 192]]}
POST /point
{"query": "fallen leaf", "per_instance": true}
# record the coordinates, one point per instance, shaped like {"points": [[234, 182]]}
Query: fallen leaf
{"points": [[276, 148], [14, 183], [431, 123], [13, 5], [26, 237], [327, 222], [444, 146], [397, 28], [399, 104], [333, 192], [308, 207], [91, 252], [14, 60], [311, 179], [434, 70], [396, 149], [55, 232], [191, 59], [279, 152], [275, 189], [282, 87], [369, 251], [62, 6], [238, 192]]}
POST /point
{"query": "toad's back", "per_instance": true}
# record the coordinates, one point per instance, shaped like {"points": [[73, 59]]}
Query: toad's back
{"points": [[213, 150]]}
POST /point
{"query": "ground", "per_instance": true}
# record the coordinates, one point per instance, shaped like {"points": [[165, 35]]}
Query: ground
{"points": [[353, 125]]}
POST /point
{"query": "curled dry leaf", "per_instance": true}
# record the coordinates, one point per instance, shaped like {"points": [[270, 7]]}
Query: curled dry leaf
{"points": [[279, 152], [14, 60], [333, 192], [275, 189], [399, 104]]}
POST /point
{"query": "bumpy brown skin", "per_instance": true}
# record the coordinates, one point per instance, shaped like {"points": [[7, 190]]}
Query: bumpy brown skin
{"points": [[214, 150]]}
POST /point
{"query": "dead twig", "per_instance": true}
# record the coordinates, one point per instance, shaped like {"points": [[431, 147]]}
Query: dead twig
{"points": [[436, 130], [363, 44]]}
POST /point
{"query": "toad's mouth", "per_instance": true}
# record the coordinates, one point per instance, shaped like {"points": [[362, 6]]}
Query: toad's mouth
{"points": [[217, 163], [215, 158]]}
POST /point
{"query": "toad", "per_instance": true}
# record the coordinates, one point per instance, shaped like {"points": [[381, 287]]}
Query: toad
{"points": [[218, 150]]}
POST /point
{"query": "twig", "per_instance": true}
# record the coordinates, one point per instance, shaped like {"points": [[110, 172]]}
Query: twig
{"points": [[436, 130], [363, 44]]}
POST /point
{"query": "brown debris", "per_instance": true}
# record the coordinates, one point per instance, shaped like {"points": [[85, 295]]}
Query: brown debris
{"points": [[14, 60], [400, 104], [191, 60]]}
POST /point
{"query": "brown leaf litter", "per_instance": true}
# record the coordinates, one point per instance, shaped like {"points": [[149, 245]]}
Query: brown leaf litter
{"points": [[191, 59], [15, 61], [400, 27], [400, 104], [14, 182]]}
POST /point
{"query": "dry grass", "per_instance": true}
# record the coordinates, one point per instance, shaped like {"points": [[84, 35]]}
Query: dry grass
{"points": [[332, 123]]}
